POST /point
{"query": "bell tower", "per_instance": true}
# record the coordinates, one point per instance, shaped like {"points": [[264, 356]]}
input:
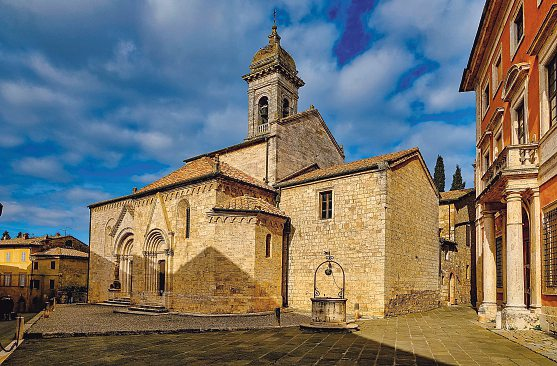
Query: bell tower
{"points": [[273, 85]]}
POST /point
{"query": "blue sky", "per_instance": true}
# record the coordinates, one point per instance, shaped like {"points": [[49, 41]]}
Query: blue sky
{"points": [[97, 97]]}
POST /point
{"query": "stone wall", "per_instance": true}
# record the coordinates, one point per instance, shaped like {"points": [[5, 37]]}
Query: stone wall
{"points": [[355, 236], [303, 141], [215, 270], [251, 159], [412, 240]]}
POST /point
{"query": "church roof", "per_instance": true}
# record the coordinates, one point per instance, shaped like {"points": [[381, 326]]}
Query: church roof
{"points": [[201, 168], [248, 204], [348, 168], [451, 196]]}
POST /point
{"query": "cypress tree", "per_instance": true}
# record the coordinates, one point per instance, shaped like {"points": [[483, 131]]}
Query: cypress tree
{"points": [[439, 175], [457, 180]]}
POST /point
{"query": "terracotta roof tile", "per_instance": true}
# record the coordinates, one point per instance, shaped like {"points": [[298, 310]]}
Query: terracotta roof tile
{"points": [[249, 204], [202, 167], [64, 252], [22, 241], [455, 195], [341, 169]]}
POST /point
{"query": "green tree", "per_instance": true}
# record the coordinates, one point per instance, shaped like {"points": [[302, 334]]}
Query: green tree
{"points": [[457, 180], [439, 175]]}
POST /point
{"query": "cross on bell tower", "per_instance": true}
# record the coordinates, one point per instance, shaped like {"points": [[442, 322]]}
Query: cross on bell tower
{"points": [[273, 85]]}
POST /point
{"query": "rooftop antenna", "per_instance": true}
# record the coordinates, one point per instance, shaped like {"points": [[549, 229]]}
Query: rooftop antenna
{"points": [[65, 229]]}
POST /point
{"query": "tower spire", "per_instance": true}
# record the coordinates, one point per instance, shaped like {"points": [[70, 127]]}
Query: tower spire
{"points": [[274, 38]]}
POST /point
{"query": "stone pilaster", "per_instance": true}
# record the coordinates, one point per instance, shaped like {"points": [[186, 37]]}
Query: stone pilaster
{"points": [[535, 253], [488, 308]]}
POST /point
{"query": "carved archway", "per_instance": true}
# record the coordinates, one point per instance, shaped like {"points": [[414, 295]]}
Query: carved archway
{"points": [[154, 253], [124, 261]]}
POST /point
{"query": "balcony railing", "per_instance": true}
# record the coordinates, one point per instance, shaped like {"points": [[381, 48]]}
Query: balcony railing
{"points": [[514, 159], [262, 128]]}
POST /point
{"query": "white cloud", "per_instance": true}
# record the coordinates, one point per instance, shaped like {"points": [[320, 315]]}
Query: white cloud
{"points": [[49, 168]]}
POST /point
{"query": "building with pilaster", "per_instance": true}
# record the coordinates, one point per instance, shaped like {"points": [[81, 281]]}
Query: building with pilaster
{"points": [[512, 68]]}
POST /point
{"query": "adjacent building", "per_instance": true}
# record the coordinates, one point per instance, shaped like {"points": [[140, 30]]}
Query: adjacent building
{"points": [[458, 245], [242, 229], [513, 70], [33, 269]]}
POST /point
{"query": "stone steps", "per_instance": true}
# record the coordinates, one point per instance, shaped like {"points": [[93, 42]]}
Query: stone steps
{"points": [[148, 308], [118, 302]]}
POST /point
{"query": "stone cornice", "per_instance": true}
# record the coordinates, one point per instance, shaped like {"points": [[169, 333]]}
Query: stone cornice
{"points": [[274, 69], [548, 26]]}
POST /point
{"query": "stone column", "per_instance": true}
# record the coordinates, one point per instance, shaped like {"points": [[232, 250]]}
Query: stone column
{"points": [[515, 315], [535, 252], [488, 308]]}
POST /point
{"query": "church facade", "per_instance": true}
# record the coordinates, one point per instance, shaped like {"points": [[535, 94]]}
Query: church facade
{"points": [[242, 229]]}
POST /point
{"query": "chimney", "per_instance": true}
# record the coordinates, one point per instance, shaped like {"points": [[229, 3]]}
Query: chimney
{"points": [[26, 236], [57, 235], [134, 190]]}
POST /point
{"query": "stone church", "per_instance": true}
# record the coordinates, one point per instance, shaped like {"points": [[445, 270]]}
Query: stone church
{"points": [[242, 229]]}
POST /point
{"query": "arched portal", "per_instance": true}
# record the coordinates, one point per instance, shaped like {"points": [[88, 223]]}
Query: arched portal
{"points": [[155, 262], [124, 261]]}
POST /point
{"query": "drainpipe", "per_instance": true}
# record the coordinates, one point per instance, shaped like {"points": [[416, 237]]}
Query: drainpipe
{"points": [[267, 160]]}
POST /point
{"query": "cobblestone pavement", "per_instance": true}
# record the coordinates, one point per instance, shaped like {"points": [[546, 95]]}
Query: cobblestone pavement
{"points": [[67, 320], [446, 336], [536, 340]]}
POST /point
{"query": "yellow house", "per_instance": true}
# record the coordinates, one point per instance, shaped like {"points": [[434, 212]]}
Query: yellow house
{"points": [[17, 269]]}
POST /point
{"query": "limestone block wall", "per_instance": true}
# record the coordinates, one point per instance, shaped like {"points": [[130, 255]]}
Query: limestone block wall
{"points": [[355, 236], [412, 240], [74, 272], [251, 159], [303, 142]]}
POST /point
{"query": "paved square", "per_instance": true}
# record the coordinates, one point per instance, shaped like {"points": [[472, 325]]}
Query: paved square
{"points": [[446, 336]]}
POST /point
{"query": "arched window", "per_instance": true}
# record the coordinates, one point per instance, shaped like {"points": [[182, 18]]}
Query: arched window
{"points": [[268, 246], [183, 218], [188, 220], [285, 108], [263, 107]]}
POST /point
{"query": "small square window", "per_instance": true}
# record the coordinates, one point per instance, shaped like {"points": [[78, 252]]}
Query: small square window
{"points": [[51, 283], [52, 264], [35, 284], [35, 265], [8, 257], [23, 256], [268, 246], [326, 204], [22, 280]]}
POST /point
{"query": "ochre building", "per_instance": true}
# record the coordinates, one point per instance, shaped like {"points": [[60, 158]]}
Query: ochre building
{"points": [[242, 229], [513, 70], [35, 269], [458, 245]]}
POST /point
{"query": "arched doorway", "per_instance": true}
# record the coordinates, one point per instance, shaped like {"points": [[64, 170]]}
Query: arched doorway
{"points": [[452, 289], [124, 258], [155, 263], [526, 254]]}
